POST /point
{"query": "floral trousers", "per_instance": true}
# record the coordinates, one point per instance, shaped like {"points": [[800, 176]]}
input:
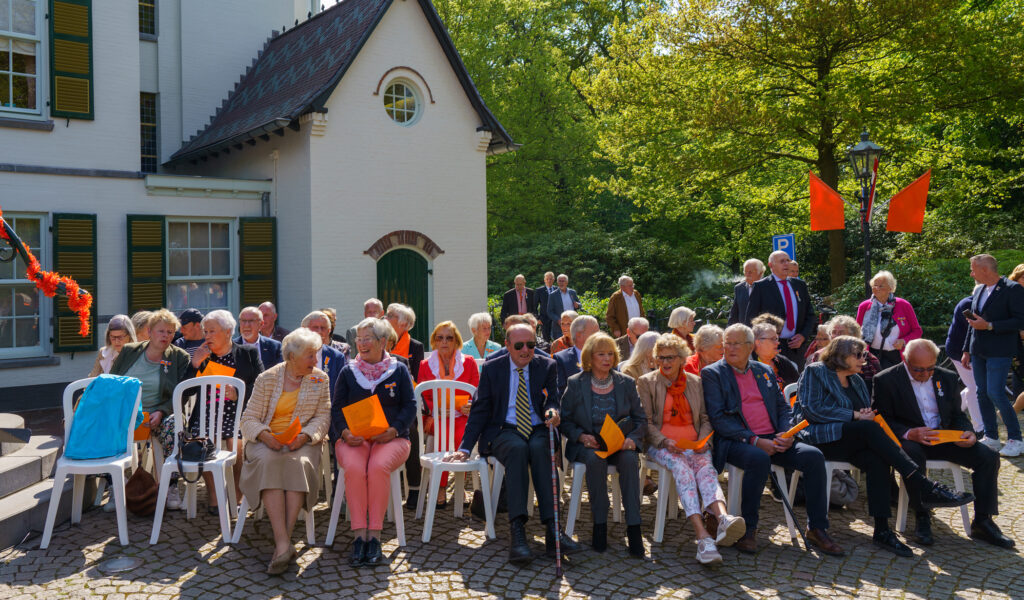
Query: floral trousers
{"points": [[693, 473]]}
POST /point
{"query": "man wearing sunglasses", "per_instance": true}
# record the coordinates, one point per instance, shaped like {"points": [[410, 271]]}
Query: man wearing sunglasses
{"points": [[916, 399]]}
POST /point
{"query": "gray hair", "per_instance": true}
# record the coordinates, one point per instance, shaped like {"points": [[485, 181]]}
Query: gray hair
{"points": [[920, 344], [846, 322], [406, 315], [316, 314], [624, 279], [638, 321], [569, 313], [579, 324], [836, 352], [478, 319], [221, 317], [561, 275], [378, 327], [986, 259], [680, 315], [777, 254], [250, 309], [887, 277], [270, 305], [141, 319], [762, 328], [747, 332], [120, 323], [373, 302], [756, 262], [708, 336], [299, 342]]}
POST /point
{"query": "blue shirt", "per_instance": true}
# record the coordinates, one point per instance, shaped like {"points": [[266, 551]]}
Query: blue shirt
{"points": [[513, 390]]}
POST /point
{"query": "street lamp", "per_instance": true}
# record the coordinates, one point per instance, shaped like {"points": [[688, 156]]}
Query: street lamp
{"points": [[863, 157]]}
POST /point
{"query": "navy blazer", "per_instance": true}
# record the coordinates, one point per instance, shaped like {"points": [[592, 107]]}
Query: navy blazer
{"points": [[578, 408], [740, 298], [510, 304], [894, 399], [822, 400], [956, 337], [567, 366], [334, 361], [540, 294], [765, 297], [270, 350], [722, 400], [555, 308], [395, 394], [1004, 309], [490, 407]]}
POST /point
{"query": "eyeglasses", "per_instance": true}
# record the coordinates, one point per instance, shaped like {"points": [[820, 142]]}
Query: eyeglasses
{"points": [[773, 339], [118, 337], [529, 345], [861, 355], [667, 358], [365, 340], [445, 338], [922, 369]]}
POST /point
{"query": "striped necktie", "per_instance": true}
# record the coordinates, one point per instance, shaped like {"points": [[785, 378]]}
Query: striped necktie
{"points": [[524, 424]]}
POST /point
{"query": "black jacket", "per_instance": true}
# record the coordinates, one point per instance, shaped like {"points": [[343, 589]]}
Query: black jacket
{"points": [[510, 304], [894, 399], [766, 298], [740, 298], [1004, 309]]}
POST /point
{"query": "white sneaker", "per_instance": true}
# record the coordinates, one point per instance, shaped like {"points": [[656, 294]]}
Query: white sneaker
{"points": [[730, 529], [707, 553], [992, 443], [173, 498], [1012, 448]]}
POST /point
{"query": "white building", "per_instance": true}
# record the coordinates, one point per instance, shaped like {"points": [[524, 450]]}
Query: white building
{"points": [[344, 159]]}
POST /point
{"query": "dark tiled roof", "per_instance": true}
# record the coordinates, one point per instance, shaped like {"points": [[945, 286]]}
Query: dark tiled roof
{"points": [[297, 71]]}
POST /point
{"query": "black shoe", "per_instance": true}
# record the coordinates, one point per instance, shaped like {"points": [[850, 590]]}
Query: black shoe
{"points": [[599, 541], [986, 530], [358, 556], [518, 550], [374, 553], [410, 502], [567, 544], [888, 540], [635, 541], [476, 507], [923, 531], [940, 496]]}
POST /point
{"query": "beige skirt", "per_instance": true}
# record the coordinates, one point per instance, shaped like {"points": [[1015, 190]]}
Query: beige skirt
{"points": [[295, 471]]}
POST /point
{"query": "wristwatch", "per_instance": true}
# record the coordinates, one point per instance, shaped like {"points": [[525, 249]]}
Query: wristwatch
{"points": [[990, 326]]}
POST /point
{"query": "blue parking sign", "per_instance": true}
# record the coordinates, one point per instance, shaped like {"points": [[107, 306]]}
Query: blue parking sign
{"points": [[786, 243]]}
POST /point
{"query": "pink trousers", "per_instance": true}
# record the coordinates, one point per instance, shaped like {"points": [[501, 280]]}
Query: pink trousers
{"points": [[368, 470]]}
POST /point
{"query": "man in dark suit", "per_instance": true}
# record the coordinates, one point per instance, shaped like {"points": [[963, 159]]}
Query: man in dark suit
{"points": [[271, 328], [329, 359], [519, 300], [787, 298], [514, 405], [562, 299], [635, 327], [998, 308], [748, 412], [753, 270], [249, 322], [916, 398], [541, 294], [568, 361]]}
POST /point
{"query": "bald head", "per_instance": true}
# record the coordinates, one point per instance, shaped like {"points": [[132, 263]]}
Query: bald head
{"points": [[520, 282]]}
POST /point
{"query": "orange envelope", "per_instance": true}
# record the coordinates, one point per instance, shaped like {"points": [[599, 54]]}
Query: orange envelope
{"points": [[792, 400], [612, 436], [795, 429], [885, 427], [688, 445], [366, 417], [213, 368], [947, 436], [142, 431], [288, 435]]}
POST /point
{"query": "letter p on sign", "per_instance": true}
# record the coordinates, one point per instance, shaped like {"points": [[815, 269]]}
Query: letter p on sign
{"points": [[786, 243]]}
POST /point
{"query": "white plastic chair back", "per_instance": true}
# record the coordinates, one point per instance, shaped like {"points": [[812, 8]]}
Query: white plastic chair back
{"points": [[69, 411], [211, 418], [443, 392], [789, 391]]}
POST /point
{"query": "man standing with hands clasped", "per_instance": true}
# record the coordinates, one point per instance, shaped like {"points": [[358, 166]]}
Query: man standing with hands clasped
{"points": [[787, 298]]}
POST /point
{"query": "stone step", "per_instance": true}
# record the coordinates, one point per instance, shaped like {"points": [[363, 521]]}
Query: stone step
{"points": [[25, 510], [11, 421], [33, 463]]}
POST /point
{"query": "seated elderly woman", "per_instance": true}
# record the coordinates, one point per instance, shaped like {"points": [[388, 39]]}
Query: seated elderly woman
{"points": [[564, 323], [673, 400], [449, 363], [160, 366], [889, 322], [845, 325], [641, 361], [710, 344], [284, 475], [243, 362], [682, 321], [594, 393], [834, 400], [481, 345], [368, 462], [120, 331], [140, 321], [766, 350]]}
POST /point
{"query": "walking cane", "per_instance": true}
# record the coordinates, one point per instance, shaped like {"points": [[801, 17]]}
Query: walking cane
{"points": [[789, 508], [555, 495]]}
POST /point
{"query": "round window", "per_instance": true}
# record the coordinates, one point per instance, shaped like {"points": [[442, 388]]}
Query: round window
{"points": [[402, 103]]}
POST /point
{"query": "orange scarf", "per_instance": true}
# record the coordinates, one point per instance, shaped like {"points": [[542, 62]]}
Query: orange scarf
{"points": [[402, 346], [681, 415]]}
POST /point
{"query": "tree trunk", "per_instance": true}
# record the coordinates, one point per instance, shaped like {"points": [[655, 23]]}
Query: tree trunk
{"points": [[828, 169]]}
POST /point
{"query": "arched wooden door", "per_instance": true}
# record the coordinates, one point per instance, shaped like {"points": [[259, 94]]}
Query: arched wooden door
{"points": [[402, 277]]}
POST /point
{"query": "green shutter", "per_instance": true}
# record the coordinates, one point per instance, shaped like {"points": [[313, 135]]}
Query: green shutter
{"points": [[74, 255], [257, 273], [402, 277], [71, 81], [147, 261]]}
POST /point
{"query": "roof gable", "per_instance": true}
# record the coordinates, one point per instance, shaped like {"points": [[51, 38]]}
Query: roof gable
{"points": [[297, 71]]}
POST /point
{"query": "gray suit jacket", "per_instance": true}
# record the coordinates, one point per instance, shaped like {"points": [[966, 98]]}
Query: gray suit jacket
{"points": [[739, 303]]}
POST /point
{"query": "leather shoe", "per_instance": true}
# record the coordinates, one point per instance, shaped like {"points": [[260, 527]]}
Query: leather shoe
{"points": [[986, 530], [412, 500], [939, 496], [888, 540], [748, 543], [635, 541], [566, 543], [820, 539], [279, 564], [923, 531], [374, 553], [518, 550], [358, 556], [650, 487]]}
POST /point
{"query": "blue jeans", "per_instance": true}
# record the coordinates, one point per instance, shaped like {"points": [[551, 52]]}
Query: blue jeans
{"points": [[990, 375]]}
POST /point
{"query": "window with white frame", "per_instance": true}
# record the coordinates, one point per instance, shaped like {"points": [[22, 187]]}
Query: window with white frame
{"points": [[21, 26], [402, 102], [200, 264], [22, 330]]}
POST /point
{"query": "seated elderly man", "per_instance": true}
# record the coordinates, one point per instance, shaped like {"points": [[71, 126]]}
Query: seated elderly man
{"points": [[250, 320], [371, 308], [748, 413], [328, 359], [635, 327], [568, 362], [508, 324], [917, 398], [270, 327]]}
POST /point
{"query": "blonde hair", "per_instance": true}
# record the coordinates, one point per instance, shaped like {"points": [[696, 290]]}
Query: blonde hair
{"points": [[887, 278], [439, 327], [300, 341], [680, 315], [707, 336], [641, 350], [163, 316], [596, 343], [1018, 273], [674, 343]]}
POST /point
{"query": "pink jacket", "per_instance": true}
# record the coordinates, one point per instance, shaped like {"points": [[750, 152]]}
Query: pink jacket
{"points": [[902, 313]]}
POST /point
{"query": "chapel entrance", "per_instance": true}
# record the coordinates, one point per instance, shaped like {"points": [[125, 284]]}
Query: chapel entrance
{"points": [[402, 277]]}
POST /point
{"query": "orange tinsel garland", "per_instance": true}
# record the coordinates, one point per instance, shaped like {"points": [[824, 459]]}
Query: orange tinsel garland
{"points": [[79, 300]]}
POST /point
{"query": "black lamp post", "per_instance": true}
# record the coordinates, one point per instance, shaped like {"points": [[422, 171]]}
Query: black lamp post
{"points": [[863, 157]]}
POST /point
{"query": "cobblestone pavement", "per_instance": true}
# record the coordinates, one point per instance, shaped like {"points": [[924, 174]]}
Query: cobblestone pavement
{"points": [[459, 562]]}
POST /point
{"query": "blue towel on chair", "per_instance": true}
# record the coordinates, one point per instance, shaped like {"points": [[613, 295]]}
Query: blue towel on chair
{"points": [[99, 427]]}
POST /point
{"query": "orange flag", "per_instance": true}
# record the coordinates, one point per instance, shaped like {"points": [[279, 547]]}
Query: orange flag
{"points": [[906, 209], [826, 206]]}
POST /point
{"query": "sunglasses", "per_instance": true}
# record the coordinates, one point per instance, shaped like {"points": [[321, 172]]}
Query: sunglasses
{"points": [[445, 338], [529, 345]]}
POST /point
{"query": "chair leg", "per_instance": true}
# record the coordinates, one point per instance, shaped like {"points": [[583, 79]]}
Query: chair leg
{"points": [[958, 481], [332, 527], [488, 510], [616, 499], [220, 490], [51, 512], [661, 512], [531, 499], [497, 477], [76, 498], [735, 489], [673, 498], [310, 528], [459, 497], [420, 497], [101, 485], [579, 471], [117, 489], [902, 506], [428, 520], [780, 474], [243, 511], [161, 502], [828, 485], [396, 504]]}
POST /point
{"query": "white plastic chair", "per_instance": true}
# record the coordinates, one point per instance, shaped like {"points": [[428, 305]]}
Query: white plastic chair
{"points": [[958, 481], [219, 465], [667, 498], [394, 509], [443, 442], [789, 391], [79, 468], [243, 512], [579, 474], [735, 491]]}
